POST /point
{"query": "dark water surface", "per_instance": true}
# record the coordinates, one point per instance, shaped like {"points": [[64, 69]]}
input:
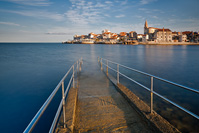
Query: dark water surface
{"points": [[30, 71]]}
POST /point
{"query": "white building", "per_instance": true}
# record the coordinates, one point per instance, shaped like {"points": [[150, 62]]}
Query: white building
{"points": [[163, 35], [139, 37], [182, 38], [104, 31], [145, 38]]}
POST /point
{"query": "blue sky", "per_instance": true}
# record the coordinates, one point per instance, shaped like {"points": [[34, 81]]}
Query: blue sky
{"points": [[59, 20]]}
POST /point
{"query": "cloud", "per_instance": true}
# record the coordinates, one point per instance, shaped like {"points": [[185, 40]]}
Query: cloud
{"points": [[38, 14], [144, 2], [145, 10], [140, 17], [150, 11], [154, 17], [31, 2], [108, 2], [120, 16], [9, 23], [123, 27], [83, 12], [58, 33], [142, 9]]}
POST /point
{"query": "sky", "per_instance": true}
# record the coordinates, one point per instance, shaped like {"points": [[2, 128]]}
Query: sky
{"points": [[60, 20]]}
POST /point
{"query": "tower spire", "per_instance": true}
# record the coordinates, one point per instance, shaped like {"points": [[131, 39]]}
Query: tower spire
{"points": [[146, 24]]}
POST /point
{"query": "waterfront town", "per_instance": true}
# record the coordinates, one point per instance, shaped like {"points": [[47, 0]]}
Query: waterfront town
{"points": [[151, 35]]}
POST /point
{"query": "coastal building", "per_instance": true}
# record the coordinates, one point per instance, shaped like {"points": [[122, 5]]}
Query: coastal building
{"points": [[123, 36], [196, 37], [182, 38], [105, 30], [84, 37], [92, 35], [76, 37], [190, 35], [150, 31], [87, 41], [145, 28], [175, 36], [145, 38], [163, 35], [133, 35], [156, 34], [139, 37], [106, 35]]}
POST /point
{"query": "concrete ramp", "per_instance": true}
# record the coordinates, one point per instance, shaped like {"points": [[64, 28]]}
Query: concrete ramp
{"points": [[101, 108]]}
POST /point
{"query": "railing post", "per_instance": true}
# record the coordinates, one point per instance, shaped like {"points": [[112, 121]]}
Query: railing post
{"points": [[118, 78], [107, 67], [77, 66], [63, 98], [151, 95], [101, 63], [80, 65], [73, 77]]}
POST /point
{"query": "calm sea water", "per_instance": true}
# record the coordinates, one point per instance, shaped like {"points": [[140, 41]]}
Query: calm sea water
{"points": [[30, 71]]}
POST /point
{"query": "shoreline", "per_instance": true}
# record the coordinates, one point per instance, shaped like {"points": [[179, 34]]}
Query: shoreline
{"points": [[141, 43], [172, 43]]}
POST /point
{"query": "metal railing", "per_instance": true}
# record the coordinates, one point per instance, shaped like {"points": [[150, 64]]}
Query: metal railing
{"points": [[100, 60], [38, 115]]}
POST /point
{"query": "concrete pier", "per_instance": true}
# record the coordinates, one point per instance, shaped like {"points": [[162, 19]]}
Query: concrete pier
{"points": [[98, 105], [101, 108]]}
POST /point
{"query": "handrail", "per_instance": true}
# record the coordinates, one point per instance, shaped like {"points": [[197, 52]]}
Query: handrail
{"points": [[36, 118], [59, 109], [100, 60], [150, 75]]}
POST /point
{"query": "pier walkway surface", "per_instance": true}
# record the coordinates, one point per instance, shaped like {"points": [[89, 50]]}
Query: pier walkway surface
{"points": [[101, 108]]}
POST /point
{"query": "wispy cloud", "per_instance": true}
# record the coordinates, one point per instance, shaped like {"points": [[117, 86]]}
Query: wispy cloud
{"points": [[120, 16], [145, 10], [38, 14], [31, 2], [108, 2], [9, 23], [84, 12], [144, 2], [154, 17], [58, 33], [150, 11], [120, 27], [140, 17]]}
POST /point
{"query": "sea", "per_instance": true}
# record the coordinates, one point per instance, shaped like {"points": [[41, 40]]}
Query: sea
{"points": [[29, 72]]}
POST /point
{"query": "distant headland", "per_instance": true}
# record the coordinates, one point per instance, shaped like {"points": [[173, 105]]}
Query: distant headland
{"points": [[152, 35]]}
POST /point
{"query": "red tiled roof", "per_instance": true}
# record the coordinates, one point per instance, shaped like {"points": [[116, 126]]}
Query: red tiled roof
{"points": [[174, 32], [186, 32], [122, 33], [107, 33], [164, 29]]}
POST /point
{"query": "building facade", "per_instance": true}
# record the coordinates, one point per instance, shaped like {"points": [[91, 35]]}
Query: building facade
{"points": [[163, 35], [157, 34]]}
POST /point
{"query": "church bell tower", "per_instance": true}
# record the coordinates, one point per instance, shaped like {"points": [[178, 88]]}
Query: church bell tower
{"points": [[146, 28]]}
